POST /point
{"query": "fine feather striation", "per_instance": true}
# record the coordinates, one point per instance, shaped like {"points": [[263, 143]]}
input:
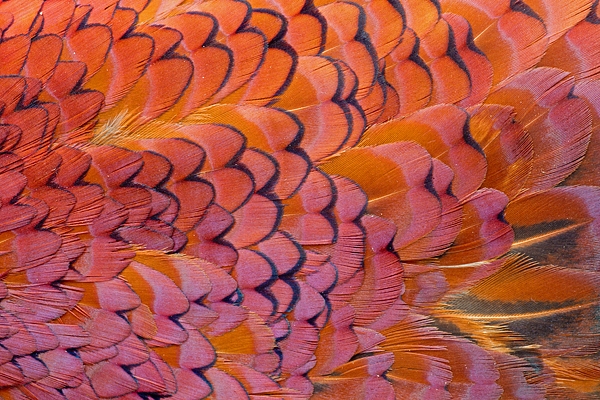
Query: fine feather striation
{"points": [[299, 199]]}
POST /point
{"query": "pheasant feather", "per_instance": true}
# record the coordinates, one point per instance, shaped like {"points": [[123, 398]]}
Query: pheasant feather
{"points": [[254, 199]]}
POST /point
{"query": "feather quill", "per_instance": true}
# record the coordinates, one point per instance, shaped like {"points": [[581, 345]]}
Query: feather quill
{"points": [[272, 199]]}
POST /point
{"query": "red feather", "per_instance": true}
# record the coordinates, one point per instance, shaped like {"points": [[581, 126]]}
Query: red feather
{"points": [[234, 199]]}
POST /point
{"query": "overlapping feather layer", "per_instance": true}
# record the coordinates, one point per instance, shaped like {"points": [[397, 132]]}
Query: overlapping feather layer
{"points": [[290, 199]]}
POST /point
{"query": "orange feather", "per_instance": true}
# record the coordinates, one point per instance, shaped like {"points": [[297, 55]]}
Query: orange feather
{"points": [[263, 199]]}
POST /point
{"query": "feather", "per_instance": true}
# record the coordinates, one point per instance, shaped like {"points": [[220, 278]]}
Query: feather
{"points": [[299, 199], [564, 236]]}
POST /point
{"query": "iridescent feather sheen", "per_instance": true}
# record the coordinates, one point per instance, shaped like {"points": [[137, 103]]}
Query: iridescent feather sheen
{"points": [[293, 199]]}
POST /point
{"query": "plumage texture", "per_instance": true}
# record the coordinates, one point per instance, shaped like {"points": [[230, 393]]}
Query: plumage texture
{"points": [[232, 199]]}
